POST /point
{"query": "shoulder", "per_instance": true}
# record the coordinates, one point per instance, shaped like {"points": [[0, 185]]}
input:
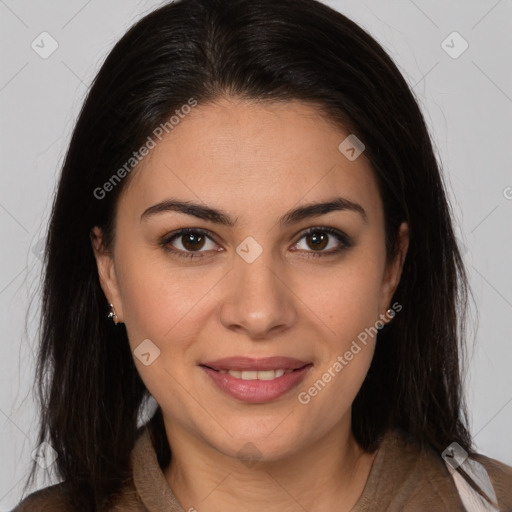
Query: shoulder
{"points": [[495, 468], [500, 475], [65, 497], [426, 467], [50, 499], [410, 474]]}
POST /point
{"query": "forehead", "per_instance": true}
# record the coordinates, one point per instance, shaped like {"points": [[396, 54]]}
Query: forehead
{"points": [[255, 155]]}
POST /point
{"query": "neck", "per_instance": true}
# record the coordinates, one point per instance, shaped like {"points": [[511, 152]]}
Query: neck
{"points": [[328, 474]]}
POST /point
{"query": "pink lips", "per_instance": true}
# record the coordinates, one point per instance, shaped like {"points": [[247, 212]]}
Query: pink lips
{"points": [[254, 390]]}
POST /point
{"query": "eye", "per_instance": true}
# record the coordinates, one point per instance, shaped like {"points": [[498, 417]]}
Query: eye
{"points": [[186, 242], [318, 239], [193, 242]]}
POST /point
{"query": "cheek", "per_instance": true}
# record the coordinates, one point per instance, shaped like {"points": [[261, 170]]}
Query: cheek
{"points": [[347, 303], [157, 299], [161, 308], [346, 298]]}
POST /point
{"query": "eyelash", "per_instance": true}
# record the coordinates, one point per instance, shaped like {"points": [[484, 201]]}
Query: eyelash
{"points": [[344, 240]]}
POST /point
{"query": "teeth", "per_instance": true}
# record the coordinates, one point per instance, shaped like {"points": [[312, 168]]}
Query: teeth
{"points": [[257, 375]]}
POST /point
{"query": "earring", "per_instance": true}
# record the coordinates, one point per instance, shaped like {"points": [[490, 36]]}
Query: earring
{"points": [[112, 314], [389, 313]]}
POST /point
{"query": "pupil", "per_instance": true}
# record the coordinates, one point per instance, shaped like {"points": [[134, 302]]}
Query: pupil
{"points": [[192, 240], [318, 240]]}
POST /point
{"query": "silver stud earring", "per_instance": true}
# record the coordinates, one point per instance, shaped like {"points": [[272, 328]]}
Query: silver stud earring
{"points": [[112, 314], [389, 313]]}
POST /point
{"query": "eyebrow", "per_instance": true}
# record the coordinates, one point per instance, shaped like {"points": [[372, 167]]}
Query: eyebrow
{"points": [[219, 217]]}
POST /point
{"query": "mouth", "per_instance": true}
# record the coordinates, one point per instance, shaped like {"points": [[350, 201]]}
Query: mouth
{"points": [[247, 368], [256, 380]]}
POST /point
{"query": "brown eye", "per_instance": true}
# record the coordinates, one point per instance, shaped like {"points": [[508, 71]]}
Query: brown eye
{"points": [[189, 243], [193, 241], [318, 239]]}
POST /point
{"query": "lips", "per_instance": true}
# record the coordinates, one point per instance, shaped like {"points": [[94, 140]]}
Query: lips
{"points": [[241, 364], [256, 380]]}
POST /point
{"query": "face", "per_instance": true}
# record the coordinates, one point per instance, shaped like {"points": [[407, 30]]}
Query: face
{"points": [[249, 279]]}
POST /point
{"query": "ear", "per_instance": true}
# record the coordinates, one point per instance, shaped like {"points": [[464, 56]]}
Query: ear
{"points": [[106, 271], [394, 267]]}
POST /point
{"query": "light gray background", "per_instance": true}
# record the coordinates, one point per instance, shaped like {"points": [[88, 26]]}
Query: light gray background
{"points": [[468, 105]]}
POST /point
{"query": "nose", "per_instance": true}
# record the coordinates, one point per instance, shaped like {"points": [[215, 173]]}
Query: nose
{"points": [[258, 303]]}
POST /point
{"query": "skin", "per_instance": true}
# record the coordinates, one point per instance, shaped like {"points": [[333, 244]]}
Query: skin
{"points": [[255, 162]]}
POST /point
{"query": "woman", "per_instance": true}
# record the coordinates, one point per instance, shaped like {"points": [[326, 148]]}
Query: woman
{"points": [[251, 228]]}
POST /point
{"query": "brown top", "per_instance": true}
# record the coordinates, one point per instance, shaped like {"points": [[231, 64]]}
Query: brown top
{"points": [[403, 477]]}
